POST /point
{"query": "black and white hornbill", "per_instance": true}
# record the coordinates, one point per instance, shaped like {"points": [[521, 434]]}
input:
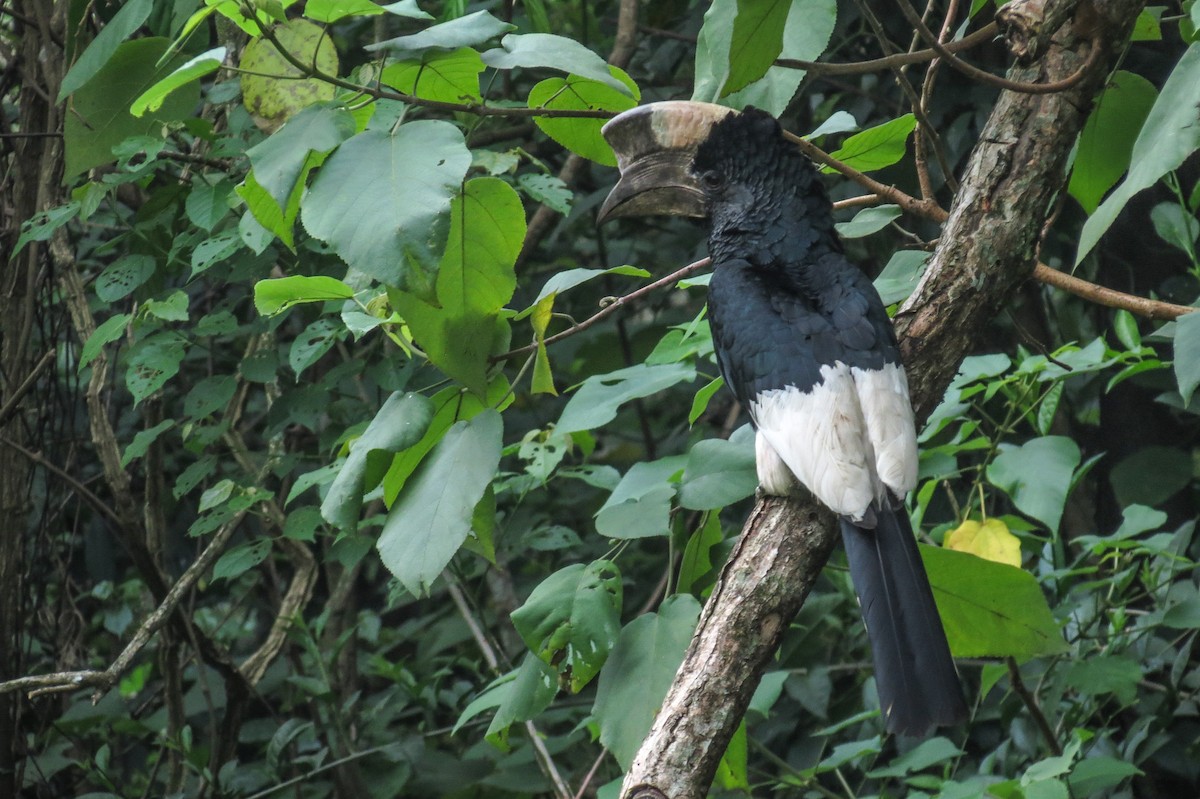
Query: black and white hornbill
{"points": [[803, 340]]}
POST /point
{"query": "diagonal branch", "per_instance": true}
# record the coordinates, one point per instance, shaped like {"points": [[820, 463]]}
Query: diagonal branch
{"points": [[987, 249]]}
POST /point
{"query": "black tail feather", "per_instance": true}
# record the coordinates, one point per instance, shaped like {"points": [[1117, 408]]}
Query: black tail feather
{"points": [[915, 675]]}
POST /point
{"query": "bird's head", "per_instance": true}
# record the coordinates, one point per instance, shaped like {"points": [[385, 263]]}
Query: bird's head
{"points": [[694, 159]]}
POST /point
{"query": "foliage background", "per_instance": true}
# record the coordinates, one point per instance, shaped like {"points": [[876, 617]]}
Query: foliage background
{"points": [[198, 394]]}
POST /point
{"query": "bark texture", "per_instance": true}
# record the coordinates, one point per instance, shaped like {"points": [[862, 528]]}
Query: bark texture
{"points": [[988, 248]]}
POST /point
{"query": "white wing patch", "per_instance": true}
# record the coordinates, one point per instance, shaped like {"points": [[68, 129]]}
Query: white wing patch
{"points": [[845, 439], [883, 395], [822, 437]]}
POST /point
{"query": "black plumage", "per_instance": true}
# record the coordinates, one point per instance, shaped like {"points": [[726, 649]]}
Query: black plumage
{"points": [[804, 342]]}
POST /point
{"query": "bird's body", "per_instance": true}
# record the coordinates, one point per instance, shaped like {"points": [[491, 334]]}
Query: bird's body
{"points": [[804, 342]]}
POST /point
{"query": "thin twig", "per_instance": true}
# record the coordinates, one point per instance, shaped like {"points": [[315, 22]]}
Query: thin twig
{"points": [[1142, 306], [26, 384], [608, 309], [1039, 718], [984, 76]]}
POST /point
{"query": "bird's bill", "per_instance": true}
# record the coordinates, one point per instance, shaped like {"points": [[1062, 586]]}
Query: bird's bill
{"points": [[655, 145]]}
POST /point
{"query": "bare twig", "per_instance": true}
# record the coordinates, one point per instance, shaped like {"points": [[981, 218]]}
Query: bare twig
{"points": [[26, 384], [608, 309], [1142, 306], [1031, 703]]}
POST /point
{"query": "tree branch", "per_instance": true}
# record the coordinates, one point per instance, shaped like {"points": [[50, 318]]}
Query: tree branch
{"points": [[987, 249]]}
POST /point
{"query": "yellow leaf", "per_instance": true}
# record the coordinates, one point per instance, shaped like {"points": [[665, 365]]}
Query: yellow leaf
{"points": [[543, 379], [990, 540]]}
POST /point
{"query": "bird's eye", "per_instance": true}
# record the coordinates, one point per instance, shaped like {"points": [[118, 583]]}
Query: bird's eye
{"points": [[713, 181]]}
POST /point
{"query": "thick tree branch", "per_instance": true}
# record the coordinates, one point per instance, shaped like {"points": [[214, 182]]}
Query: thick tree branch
{"points": [[988, 247]]}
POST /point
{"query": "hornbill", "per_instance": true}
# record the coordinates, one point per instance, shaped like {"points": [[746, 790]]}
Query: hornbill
{"points": [[803, 340]]}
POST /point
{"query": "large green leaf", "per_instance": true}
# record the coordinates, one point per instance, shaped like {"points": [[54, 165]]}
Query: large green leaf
{"points": [[1106, 141], [1037, 476], [99, 117], [638, 673], [451, 77], [572, 618], [458, 344], [598, 399], [517, 696], [640, 505], [990, 609], [432, 516], [152, 362], [712, 51], [549, 51], [399, 424], [122, 25], [1187, 355], [756, 41], [877, 147], [487, 228], [381, 200], [468, 31], [582, 136], [276, 295], [719, 472], [194, 69], [1168, 136], [282, 160]]}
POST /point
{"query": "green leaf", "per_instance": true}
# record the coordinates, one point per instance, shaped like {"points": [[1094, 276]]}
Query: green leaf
{"points": [[241, 559], [152, 362], [487, 228], [208, 203], [1093, 776], [571, 620], [275, 295], [570, 278], [599, 397], [731, 771], [101, 49], [382, 200], [1168, 136], [1146, 28], [1037, 476], [173, 309], [41, 226], [640, 505], [696, 564], [212, 251], [1176, 226], [899, 278], [547, 50], [467, 31], [1187, 355], [756, 42], [282, 160], [990, 609], [100, 118], [868, 221], [400, 423], [445, 77], [209, 396], [518, 696], [333, 10], [272, 100], [1106, 141], [432, 517], [1126, 327], [316, 340], [459, 345], [582, 136], [548, 190], [638, 673], [108, 331], [702, 398], [191, 70], [877, 147], [1106, 674], [719, 472], [142, 441], [712, 51], [1151, 475], [926, 754]]}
